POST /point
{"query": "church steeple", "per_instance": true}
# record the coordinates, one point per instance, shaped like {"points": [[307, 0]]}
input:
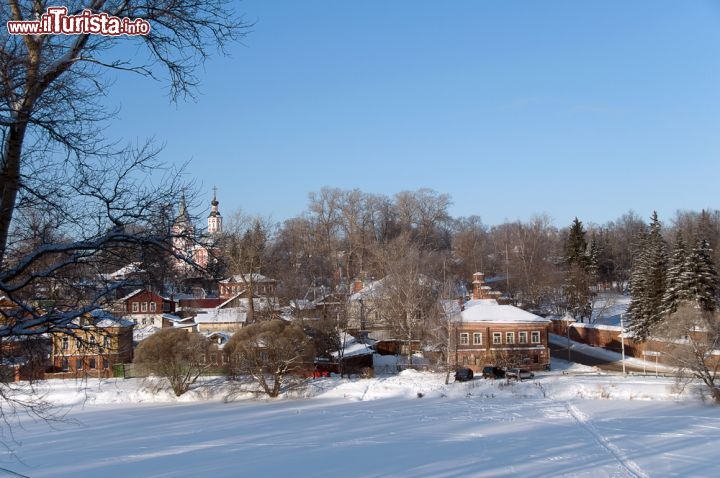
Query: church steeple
{"points": [[183, 221], [214, 219]]}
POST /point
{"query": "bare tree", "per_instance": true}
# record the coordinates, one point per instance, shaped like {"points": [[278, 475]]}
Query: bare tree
{"points": [[245, 247], [104, 203], [408, 294], [534, 247], [74, 204], [270, 351], [692, 339], [470, 246], [52, 85], [176, 355]]}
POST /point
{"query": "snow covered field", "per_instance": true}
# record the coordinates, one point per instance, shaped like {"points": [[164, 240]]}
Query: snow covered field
{"points": [[407, 425]]}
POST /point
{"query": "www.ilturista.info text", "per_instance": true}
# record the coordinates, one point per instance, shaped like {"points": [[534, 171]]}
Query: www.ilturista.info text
{"points": [[56, 21]]}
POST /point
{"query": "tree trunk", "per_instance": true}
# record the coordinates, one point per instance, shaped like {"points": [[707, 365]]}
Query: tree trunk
{"points": [[715, 392], [276, 386], [251, 301], [10, 180]]}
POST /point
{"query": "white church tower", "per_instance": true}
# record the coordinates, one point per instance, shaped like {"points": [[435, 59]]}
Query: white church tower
{"points": [[214, 219]]}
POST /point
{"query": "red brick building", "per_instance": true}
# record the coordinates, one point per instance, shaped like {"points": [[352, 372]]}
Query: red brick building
{"points": [[488, 333]]}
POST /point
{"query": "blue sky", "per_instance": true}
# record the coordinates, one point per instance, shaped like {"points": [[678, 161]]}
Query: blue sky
{"points": [[512, 107]]}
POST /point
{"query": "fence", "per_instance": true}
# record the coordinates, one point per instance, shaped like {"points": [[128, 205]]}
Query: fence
{"points": [[133, 370]]}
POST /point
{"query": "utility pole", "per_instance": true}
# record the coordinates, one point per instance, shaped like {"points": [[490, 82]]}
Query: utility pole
{"points": [[622, 341], [507, 269], [567, 332]]}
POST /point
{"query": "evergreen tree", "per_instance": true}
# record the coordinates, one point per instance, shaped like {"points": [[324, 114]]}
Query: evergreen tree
{"points": [[700, 278], [576, 246], [647, 281], [593, 258], [578, 273], [676, 291]]}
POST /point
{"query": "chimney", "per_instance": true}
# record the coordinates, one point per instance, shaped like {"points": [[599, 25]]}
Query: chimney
{"points": [[357, 285], [478, 282]]}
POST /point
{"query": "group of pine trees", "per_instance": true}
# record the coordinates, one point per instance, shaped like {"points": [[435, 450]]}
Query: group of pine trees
{"points": [[660, 281], [581, 267]]}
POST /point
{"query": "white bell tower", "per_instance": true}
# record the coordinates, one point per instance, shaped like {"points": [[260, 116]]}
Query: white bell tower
{"points": [[214, 219]]}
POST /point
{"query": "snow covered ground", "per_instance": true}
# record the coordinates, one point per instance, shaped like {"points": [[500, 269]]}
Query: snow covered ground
{"points": [[568, 422], [607, 308]]}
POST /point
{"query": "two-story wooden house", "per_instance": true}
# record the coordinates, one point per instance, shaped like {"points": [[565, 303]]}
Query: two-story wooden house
{"points": [[97, 341], [144, 308], [239, 284]]}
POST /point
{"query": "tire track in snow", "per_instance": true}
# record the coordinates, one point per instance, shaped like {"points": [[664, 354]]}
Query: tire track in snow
{"points": [[630, 467]]}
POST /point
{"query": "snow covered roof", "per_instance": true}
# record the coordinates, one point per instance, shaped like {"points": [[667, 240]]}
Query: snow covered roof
{"points": [[302, 304], [474, 302], [232, 315], [242, 278], [353, 348], [172, 317], [369, 291], [490, 311], [104, 319], [141, 333], [130, 295], [133, 267]]}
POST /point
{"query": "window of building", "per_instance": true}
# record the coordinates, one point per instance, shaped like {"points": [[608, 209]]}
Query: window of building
{"points": [[497, 338], [522, 337], [65, 343], [91, 363], [153, 307], [213, 358], [509, 337], [79, 363], [106, 363], [477, 338], [144, 321], [135, 307], [91, 341], [535, 337], [464, 338], [143, 307], [65, 365], [106, 342]]}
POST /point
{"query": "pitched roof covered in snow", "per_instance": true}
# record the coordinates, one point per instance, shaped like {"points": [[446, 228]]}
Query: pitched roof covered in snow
{"points": [[233, 315], [123, 272], [370, 291], [353, 348], [243, 278], [490, 311], [103, 319]]}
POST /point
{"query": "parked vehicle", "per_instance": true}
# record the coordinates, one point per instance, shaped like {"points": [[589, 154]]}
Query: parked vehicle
{"points": [[463, 375], [493, 372], [519, 374]]}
